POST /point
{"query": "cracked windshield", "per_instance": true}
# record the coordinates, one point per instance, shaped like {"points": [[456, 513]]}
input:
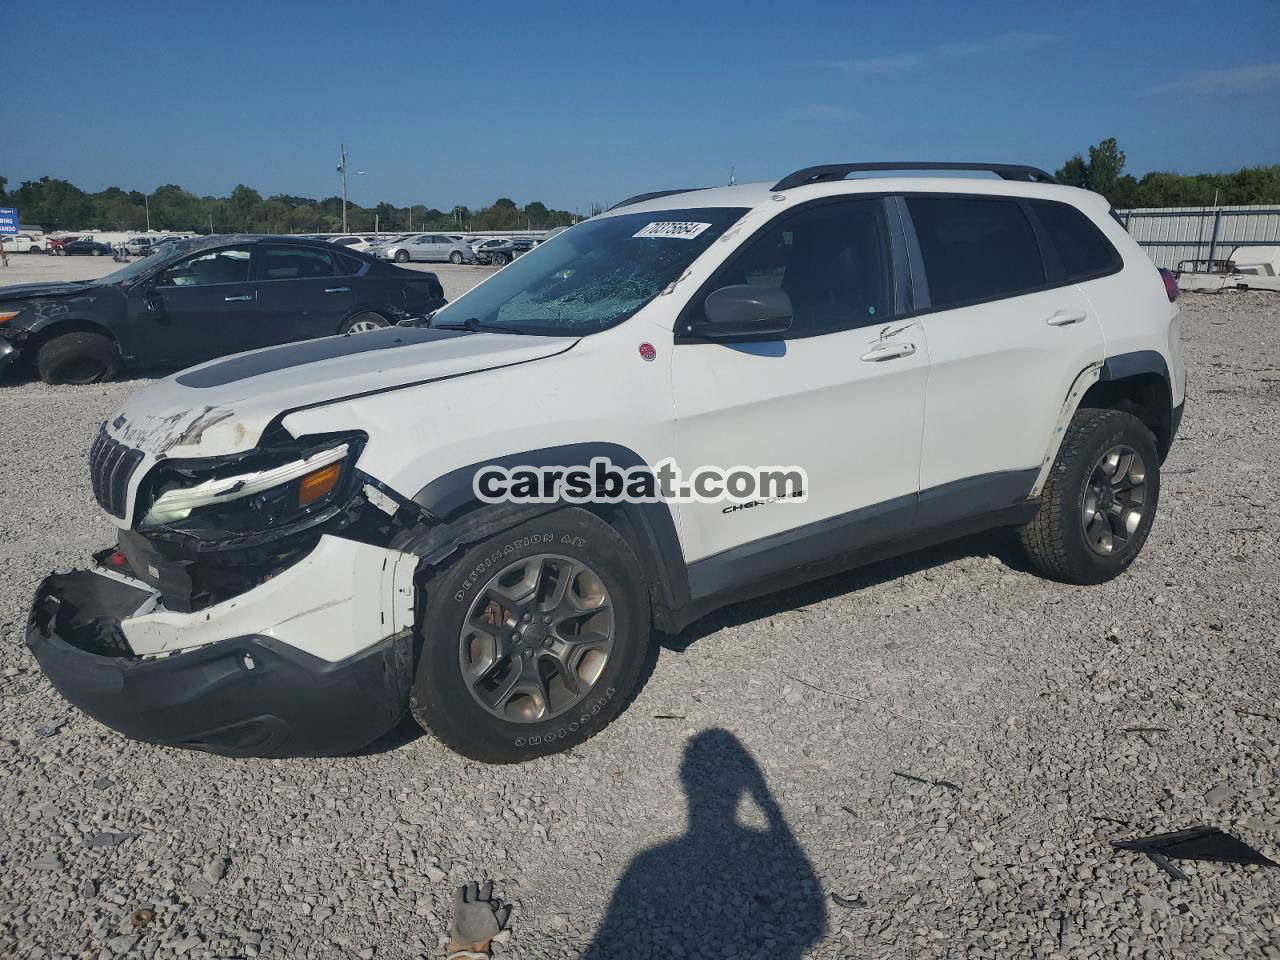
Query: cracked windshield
{"points": [[592, 277]]}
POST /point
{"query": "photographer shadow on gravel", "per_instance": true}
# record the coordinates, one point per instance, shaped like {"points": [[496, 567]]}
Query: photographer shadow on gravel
{"points": [[726, 888]]}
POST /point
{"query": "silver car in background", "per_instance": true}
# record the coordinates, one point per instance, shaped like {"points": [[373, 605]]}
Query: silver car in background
{"points": [[428, 247]]}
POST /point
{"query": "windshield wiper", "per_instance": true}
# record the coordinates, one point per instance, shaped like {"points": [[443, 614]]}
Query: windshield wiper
{"points": [[476, 325]]}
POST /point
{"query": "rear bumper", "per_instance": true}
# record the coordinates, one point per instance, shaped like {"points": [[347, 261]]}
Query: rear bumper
{"points": [[246, 695]]}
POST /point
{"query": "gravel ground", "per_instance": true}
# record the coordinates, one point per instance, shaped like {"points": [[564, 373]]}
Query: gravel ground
{"points": [[952, 793]]}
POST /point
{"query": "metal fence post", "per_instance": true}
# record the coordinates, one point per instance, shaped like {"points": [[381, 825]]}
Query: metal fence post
{"points": [[1213, 241]]}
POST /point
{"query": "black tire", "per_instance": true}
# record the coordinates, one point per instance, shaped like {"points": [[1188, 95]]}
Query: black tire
{"points": [[455, 257], [499, 259], [33, 249], [442, 700], [402, 256], [77, 358], [1056, 541], [96, 252], [369, 317]]}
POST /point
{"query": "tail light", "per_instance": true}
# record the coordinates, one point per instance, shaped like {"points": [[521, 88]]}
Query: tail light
{"points": [[1170, 284]]}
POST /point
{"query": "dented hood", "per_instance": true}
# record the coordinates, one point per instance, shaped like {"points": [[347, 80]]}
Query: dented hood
{"points": [[223, 407], [32, 291]]}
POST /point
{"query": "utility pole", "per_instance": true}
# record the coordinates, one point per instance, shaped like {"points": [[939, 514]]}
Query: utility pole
{"points": [[342, 169], [146, 202]]}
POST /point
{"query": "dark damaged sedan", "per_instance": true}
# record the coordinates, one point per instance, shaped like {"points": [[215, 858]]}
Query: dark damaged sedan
{"points": [[207, 297]]}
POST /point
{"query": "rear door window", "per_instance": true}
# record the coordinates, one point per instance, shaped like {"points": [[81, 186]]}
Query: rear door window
{"points": [[1081, 247], [287, 262], [975, 248]]}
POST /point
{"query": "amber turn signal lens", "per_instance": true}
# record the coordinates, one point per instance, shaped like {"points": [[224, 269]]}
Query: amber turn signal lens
{"points": [[5, 317], [318, 483]]}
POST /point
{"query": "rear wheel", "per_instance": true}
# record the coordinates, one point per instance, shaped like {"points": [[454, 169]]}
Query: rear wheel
{"points": [[532, 641], [365, 323], [33, 249], [96, 252], [499, 259], [402, 256], [455, 257], [1099, 501], [77, 358]]}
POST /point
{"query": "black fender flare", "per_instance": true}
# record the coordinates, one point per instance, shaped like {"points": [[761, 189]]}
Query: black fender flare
{"points": [[649, 527], [1124, 365]]}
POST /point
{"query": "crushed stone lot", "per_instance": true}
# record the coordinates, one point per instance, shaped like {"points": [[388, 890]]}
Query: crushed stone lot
{"points": [[926, 758]]}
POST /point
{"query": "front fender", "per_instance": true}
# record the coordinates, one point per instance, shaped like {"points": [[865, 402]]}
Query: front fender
{"points": [[648, 527]]}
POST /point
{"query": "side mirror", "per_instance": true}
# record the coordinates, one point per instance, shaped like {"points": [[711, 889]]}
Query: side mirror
{"points": [[744, 310]]}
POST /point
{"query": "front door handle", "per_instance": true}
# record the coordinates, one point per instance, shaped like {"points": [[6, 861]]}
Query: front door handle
{"points": [[243, 299], [337, 290], [890, 351], [1064, 318]]}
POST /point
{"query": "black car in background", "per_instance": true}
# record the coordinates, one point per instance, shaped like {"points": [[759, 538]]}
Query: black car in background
{"points": [[193, 300], [90, 248]]}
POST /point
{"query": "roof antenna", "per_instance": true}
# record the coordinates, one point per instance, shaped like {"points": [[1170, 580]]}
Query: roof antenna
{"points": [[732, 178]]}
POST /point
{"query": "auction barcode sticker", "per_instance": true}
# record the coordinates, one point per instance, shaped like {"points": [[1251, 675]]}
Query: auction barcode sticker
{"points": [[680, 229]]}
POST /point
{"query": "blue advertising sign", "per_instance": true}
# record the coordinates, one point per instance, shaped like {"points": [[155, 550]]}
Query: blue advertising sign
{"points": [[8, 220]]}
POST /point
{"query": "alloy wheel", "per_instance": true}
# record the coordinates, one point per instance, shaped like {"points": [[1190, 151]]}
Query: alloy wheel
{"points": [[1114, 499], [536, 638], [366, 323]]}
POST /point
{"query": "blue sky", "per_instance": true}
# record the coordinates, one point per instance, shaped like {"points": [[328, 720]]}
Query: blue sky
{"points": [[573, 102]]}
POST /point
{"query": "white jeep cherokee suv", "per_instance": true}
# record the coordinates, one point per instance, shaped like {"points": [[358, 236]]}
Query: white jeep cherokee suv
{"points": [[303, 555]]}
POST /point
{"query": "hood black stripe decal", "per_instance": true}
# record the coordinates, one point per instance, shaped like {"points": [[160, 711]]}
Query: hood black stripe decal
{"points": [[272, 359]]}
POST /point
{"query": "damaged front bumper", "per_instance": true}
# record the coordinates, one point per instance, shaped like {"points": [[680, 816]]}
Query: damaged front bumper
{"points": [[315, 661], [8, 354]]}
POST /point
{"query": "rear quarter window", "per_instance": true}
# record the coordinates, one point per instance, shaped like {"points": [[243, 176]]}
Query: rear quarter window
{"points": [[1081, 247], [975, 249]]}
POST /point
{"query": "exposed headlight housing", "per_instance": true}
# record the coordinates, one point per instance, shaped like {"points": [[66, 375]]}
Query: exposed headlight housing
{"points": [[269, 494]]}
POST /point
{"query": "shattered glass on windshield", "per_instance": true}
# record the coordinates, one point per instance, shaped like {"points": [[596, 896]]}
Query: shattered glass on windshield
{"points": [[592, 277]]}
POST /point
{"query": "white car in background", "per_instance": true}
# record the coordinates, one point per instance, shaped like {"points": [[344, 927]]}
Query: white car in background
{"points": [[25, 243], [427, 247], [354, 243]]}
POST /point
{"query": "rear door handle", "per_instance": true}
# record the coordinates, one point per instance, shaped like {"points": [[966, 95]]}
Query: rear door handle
{"points": [[890, 351], [243, 299], [1064, 318], [337, 290]]}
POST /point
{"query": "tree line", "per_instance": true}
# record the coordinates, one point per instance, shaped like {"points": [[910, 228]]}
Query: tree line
{"points": [[60, 205], [1103, 172]]}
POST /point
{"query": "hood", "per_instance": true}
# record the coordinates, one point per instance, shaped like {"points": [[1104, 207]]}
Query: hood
{"points": [[223, 407], [32, 291]]}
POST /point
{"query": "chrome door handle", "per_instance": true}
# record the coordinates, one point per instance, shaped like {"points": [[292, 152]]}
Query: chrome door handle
{"points": [[890, 351], [1064, 318], [246, 297], [338, 290]]}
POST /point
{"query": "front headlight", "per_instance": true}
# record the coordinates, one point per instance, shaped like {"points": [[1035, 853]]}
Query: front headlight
{"points": [[235, 501]]}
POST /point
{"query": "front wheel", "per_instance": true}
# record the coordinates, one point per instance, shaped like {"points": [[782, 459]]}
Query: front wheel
{"points": [[532, 641], [96, 253], [499, 259], [402, 256], [33, 249], [1099, 500], [77, 358]]}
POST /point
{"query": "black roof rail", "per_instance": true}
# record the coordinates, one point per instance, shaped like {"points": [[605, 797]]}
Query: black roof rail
{"points": [[838, 171], [642, 197]]}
